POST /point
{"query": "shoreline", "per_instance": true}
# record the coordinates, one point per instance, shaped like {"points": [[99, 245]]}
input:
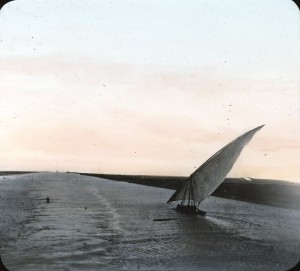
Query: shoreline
{"points": [[275, 193], [261, 191]]}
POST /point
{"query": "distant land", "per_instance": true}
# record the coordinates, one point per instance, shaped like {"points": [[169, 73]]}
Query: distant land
{"points": [[262, 191], [6, 173], [275, 193]]}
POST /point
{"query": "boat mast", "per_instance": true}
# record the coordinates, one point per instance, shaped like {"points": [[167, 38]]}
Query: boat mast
{"points": [[189, 198], [192, 193], [183, 198]]}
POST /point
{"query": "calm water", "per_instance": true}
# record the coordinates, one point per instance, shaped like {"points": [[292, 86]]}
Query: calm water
{"points": [[95, 224]]}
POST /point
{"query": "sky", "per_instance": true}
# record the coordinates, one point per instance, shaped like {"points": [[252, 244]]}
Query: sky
{"points": [[149, 87]]}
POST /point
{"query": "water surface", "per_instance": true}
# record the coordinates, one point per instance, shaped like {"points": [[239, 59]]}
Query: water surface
{"points": [[96, 224]]}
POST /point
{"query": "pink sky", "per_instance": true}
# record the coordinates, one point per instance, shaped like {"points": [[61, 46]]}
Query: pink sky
{"points": [[90, 108]]}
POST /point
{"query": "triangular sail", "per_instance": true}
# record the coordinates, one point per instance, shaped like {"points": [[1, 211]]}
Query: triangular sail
{"points": [[206, 179]]}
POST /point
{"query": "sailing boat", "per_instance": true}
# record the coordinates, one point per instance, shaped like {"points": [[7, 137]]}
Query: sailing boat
{"points": [[206, 179]]}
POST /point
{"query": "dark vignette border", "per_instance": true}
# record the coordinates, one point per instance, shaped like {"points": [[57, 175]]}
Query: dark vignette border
{"points": [[3, 268], [2, 3]]}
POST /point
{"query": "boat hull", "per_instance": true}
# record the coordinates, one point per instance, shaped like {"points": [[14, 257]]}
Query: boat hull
{"points": [[190, 209]]}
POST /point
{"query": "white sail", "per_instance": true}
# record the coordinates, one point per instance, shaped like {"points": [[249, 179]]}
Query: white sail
{"points": [[206, 179]]}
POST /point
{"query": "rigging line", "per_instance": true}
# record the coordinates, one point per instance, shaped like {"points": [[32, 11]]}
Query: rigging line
{"points": [[193, 192], [189, 201], [202, 192], [183, 198]]}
